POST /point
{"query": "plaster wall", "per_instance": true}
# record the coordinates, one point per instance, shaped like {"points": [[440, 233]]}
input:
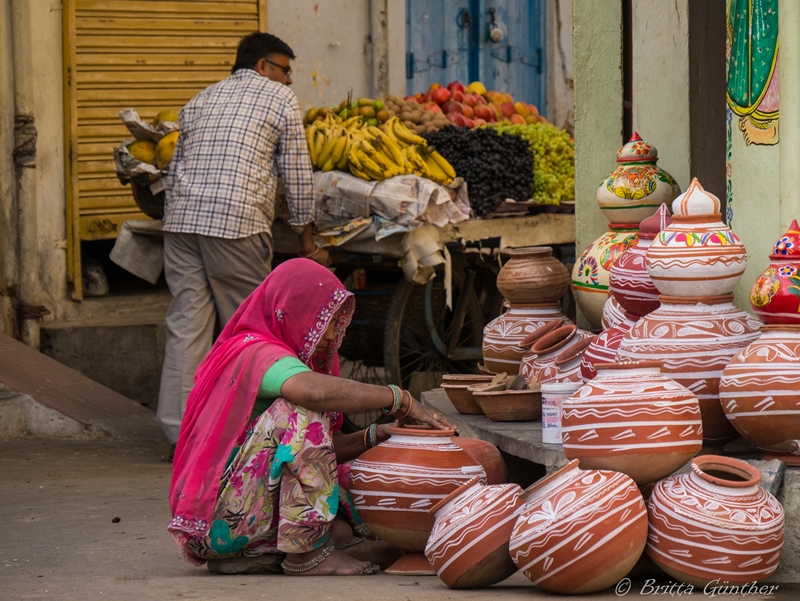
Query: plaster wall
{"points": [[660, 92], [560, 74], [8, 208]]}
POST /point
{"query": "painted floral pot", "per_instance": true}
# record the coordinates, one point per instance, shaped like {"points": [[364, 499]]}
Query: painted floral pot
{"points": [[715, 523], [760, 389], [613, 313], [632, 419], [695, 339], [697, 254], [603, 348], [775, 295], [590, 274], [394, 484], [628, 280], [638, 186], [580, 530], [503, 335], [538, 364], [468, 546], [532, 276]]}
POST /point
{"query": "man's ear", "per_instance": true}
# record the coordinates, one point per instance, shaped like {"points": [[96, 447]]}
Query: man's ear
{"points": [[262, 67]]}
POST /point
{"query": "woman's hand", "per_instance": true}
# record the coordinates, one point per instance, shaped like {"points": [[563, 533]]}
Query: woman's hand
{"points": [[422, 414]]}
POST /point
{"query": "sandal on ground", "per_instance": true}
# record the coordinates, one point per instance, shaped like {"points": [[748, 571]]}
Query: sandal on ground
{"points": [[260, 564], [299, 568]]}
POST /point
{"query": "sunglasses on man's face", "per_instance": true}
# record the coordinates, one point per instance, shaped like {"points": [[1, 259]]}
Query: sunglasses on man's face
{"points": [[287, 71]]}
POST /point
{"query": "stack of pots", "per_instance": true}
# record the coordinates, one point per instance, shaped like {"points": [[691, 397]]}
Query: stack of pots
{"points": [[695, 262], [760, 387], [532, 282], [633, 192]]}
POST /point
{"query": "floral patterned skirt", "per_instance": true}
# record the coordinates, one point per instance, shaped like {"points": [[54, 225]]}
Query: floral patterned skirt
{"points": [[280, 491]]}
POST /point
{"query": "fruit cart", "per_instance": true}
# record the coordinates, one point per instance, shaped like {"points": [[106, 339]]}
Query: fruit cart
{"points": [[404, 333]]}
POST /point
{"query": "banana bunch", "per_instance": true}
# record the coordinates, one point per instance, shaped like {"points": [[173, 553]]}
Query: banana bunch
{"points": [[374, 153]]}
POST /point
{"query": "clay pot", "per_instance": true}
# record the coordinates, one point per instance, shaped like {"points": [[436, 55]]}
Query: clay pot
{"points": [[465, 379], [468, 546], [628, 280], [638, 187], [774, 294], [394, 484], [580, 530], [461, 397], [511, 405], [695, 339], [538, 364], [613, 314], [532, 276], [632, 419], [603, 348], [487, 455], [502, 336], [567, 366], [715, 523], [697, 254], [590, 274], [760, 389]]}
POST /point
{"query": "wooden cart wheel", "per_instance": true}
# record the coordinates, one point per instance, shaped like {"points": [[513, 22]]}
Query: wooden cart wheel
{"points": [[420, 343]]}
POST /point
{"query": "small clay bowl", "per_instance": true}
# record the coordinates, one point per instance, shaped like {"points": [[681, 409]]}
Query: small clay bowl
{"points": [[465, 379], [462, 399], [484, 371], [511, 405]]}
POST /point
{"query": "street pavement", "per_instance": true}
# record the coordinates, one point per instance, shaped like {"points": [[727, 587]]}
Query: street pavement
{"points": [[86, 520]]}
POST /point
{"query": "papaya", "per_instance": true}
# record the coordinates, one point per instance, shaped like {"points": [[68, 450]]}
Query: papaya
{"points": [[143, 150], [165, 148], [166, 116]]}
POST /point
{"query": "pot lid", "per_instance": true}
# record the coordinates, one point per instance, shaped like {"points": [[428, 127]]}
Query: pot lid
{"points": [[650, 227], [788, 245], [637, 151], [695, 201]]}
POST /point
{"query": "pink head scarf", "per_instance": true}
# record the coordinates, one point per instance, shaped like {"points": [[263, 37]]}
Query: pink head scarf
{"points": [[285, 316]]}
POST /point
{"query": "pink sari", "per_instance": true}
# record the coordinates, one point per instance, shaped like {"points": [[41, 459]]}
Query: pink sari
{"points": [[285, 316]]}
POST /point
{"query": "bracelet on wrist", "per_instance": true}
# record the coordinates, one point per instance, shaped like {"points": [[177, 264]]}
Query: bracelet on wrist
{"points": [[373, 435], [398, 400], [410, 403], [366, 433], [317, 248]]}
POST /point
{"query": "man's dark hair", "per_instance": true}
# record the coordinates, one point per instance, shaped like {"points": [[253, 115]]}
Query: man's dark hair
{"points": [[256, 46]]}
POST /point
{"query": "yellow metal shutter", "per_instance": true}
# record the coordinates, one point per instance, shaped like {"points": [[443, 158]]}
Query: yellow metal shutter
{"points": [[149, 55]]}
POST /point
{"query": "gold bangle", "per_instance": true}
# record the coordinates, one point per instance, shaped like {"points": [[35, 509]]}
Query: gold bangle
{"points": [[410, 404], [366, 433], [317, 248]]}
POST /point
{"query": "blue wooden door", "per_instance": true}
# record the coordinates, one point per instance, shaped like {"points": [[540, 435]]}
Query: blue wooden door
{"points": [[450, 39]]}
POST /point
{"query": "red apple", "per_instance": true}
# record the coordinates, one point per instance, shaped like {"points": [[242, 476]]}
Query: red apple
{"points": [[451, 106], [467, 111], [456, 119], [440, 95], [458, 96], [508, 109], [455, 85], [479, 122], [483, 111], [470, 100], [469, 123], [435, 108]]}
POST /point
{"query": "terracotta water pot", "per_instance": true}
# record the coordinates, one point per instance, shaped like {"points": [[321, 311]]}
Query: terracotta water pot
{"points": [[532, 276], [695, 339], [697, 254], [613, 313], [468, 546], [590, 274], [775, 295], [567, 366], [632, 419], [603, 348], [487, 455], [638, 186], [580, 530], [628, 280], [394, 484], [503, 336], [760, 389], [715, 523], [538, 364]]}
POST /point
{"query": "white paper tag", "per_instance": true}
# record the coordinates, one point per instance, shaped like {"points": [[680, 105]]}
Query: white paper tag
{"points": [[158, 186]]}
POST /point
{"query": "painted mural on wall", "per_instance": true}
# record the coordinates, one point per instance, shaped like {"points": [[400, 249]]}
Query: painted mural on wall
{"points": [[752, 48]]}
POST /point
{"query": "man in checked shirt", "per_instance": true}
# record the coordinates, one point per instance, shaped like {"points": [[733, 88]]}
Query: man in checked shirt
{"points": [[237, 136]]}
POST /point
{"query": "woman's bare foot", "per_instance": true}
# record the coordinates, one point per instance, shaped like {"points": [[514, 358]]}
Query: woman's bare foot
{"points": [[374, 551], [336, 563], [261, 564]]}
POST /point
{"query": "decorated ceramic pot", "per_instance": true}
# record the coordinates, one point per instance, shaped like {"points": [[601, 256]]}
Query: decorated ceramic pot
{"points": [[487, 455], [502, 336], [567, 365], [638, 187], [580, 530], [538, 364], [760, 389], [632, 419], [532, 276], [613, 313], [695, 339], [603, 348], [468, 546], [697, 254], [628, 280], [394, 484], [590, 274], [775, 295], [715, 523]]}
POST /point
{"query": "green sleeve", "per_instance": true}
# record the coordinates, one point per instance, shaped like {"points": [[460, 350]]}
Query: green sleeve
{"points": [[281, 370]]}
